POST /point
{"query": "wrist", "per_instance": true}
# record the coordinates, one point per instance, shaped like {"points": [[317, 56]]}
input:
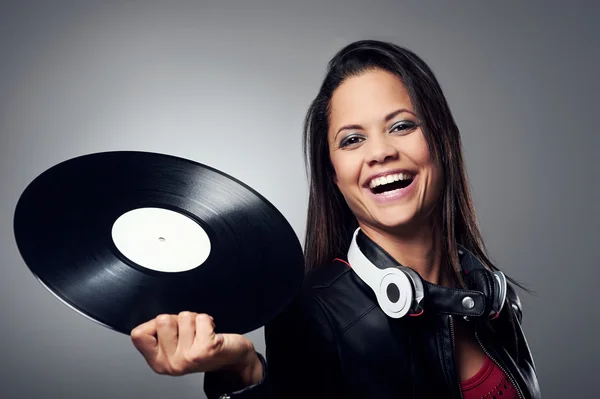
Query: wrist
{"points": [[248, 369], [251, 370]]}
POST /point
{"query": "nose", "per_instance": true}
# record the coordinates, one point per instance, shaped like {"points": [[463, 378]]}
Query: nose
{"points": [[379, 150]]}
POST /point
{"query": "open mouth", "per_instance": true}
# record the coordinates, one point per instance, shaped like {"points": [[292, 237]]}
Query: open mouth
{"points": [[382, 185]]}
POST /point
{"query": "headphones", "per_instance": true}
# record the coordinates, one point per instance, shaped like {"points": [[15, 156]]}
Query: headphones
{"points": [[400, 290]]}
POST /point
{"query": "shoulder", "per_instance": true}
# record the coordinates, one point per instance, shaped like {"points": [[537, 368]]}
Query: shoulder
{"points": [[317, 282], [319, 288], [326, 276], [341, 296], [332, 297], [336, 284], [306, 315]]}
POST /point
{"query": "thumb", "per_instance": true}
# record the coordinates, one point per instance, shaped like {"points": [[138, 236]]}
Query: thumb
{"points": [[145, 341]]}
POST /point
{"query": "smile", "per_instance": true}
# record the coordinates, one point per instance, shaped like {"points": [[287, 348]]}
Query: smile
{"points": [[391, 187], [392, 182]]}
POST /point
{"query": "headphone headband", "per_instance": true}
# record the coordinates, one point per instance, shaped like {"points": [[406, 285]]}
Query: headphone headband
{"points": [[400, 290]]}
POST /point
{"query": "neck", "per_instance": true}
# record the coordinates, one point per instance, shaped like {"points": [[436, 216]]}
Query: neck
{"points": [[420, 250]]}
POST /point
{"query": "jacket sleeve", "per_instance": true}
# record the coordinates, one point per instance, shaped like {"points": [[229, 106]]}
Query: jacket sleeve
{"points": [[521, 349], [301, 358]]}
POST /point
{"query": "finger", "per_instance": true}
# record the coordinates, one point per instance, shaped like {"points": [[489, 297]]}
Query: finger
{"points": [[205, 332], [166, 328], [187, 330]]}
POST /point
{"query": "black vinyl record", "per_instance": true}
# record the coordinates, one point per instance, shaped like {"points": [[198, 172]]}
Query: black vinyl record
{"points": [[124, 236]]}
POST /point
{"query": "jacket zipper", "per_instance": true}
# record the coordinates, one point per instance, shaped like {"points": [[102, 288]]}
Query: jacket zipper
{"points": [[454, 353], [509, 375]]}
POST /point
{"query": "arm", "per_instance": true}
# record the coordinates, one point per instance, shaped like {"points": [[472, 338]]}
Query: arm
{"points": [[520, 347], [301, 359]]}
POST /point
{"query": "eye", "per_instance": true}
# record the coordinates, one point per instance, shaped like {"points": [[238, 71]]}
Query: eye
{"points": [[350, 140], [403, 127]]}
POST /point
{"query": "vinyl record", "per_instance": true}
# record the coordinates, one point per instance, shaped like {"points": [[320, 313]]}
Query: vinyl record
{"points": [[124, 236]]}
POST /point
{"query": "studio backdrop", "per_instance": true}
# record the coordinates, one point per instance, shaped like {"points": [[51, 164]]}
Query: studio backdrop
{"points": [[227, 84]]}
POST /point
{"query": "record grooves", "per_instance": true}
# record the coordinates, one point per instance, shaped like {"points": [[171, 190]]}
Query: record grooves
{"points": [[124, 236]]}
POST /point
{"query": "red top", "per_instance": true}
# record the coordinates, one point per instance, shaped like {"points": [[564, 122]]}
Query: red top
{"points": [[490, 382]]}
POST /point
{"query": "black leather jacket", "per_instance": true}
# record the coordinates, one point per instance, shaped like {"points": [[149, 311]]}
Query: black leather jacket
{"points": [[334, 341]]}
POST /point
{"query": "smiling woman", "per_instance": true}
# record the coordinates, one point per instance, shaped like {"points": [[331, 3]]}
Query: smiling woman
{"points": [[390, 223]]}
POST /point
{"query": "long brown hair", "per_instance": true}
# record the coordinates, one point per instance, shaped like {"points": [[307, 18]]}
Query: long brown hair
{"points": [[330, 223]]}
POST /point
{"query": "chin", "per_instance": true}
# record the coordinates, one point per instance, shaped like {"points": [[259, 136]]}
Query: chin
{"points": [[397, 222], [400, 226]]}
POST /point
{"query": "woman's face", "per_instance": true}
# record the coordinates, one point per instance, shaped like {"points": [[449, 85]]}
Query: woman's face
{"points": [[382, 163]]}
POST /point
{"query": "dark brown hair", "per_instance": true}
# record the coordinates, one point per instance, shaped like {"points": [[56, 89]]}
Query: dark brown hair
{"points": [[330, 223]]}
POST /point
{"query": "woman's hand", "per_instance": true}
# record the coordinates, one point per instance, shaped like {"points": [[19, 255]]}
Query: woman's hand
{"points": [[187, 343]]}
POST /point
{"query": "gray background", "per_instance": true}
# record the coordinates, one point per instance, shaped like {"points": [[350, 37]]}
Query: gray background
{"points": [[227, 84]]}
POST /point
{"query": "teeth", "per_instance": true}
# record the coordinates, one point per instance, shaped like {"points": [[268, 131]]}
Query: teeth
{"points": [[380, 181]]}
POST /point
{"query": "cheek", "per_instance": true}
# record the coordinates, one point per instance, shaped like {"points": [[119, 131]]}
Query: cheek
{"points": [[435, 178], [346, 169], [418, 151]]}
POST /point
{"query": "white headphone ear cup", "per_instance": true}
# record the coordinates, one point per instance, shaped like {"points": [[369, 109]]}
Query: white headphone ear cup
{"points": [[395, 294], [417, 287]]}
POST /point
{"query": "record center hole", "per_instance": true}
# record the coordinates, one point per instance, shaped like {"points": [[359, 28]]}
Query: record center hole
{"points": [[162, 239]]}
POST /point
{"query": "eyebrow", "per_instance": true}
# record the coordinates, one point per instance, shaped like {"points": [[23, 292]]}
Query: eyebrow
{"points": [[387, 118]]}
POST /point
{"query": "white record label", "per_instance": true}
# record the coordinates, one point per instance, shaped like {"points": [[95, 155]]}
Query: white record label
{"points": [[161, 239]]}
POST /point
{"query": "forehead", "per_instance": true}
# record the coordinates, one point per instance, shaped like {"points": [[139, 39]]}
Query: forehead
{"points": [[367, 98]]}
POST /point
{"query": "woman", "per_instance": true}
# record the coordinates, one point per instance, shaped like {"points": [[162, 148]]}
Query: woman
{"points": [[384, 156]]}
